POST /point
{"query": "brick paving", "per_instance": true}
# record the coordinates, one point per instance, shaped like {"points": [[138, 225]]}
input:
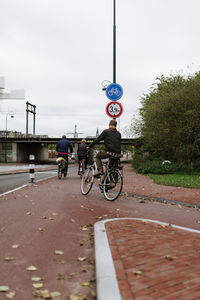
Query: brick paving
{"points": [[154, 261]]}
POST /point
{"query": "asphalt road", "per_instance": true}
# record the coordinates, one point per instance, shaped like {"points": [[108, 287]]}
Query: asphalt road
{"points": [[10, 182], [48, 226]]}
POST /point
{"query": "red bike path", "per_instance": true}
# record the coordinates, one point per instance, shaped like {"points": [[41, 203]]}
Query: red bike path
{"points": [[151, 260]]}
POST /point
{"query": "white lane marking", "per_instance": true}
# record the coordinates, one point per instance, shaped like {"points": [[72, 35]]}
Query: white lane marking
{"points": [[39, 180]]}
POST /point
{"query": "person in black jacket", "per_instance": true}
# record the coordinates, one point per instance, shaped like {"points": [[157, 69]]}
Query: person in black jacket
{"points": [[112, 141], [63, 147], [82, 153]]}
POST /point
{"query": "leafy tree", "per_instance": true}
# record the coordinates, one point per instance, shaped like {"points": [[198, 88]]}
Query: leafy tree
{"points": [[170, 118]]}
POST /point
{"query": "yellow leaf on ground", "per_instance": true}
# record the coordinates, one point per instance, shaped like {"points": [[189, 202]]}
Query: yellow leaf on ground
{"points": [[11, 295], [85, 284], [55, 294], [38, 285], [4, 288], [31, 268], [37, 278], [7, 258], [15, 246], [78, 297], [58, 252], [82, 258]]}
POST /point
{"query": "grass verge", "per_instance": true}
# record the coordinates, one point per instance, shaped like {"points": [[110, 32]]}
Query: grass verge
{"points": [[181, 180]]}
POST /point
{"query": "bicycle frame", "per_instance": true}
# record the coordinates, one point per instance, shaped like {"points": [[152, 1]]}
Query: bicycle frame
{"points": [[111, 180]]}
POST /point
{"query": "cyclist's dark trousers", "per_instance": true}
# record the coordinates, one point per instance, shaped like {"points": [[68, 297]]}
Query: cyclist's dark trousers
{"points": [[65, 156], [79, 159]]}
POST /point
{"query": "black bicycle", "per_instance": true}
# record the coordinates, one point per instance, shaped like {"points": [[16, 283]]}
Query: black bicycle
{"points": [[110, 183], [62, 167]]}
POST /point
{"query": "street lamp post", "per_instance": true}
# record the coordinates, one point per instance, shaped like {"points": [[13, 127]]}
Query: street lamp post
{"points": [[11, 115], [114, 41]]}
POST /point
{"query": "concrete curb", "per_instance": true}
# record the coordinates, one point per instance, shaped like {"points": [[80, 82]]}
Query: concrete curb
{"points": [[163, 200], [107, 284]]}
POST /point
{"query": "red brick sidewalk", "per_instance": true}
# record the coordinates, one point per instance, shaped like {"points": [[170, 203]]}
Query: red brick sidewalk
{"points": [[143, 185], [154, 261]]}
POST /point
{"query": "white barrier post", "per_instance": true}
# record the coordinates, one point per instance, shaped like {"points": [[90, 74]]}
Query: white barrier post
{"points": [[32, 167]]}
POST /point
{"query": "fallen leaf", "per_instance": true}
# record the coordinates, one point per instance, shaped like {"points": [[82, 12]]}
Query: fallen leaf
{"points": [[60, 276], [169, 257], [54, 214], [82, 258], [11, 295], [62, 262], [51, 218], [15, 246], [85, 284], [73, 221], [31, 268], [137, 272], [28, 213], [38, 285], [78, 297], [37, 278], [84, 228], [4, 288], [7, 258], [44, 217], [45, 294], [58, 252], [55, 294], [41, 229]]}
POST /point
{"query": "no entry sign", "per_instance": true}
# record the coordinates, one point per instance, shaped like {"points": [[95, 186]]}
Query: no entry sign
{"points": [[114, 109]]}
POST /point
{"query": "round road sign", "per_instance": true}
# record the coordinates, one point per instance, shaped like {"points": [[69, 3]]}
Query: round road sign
{"points": [[114, 109], [114, 91]]}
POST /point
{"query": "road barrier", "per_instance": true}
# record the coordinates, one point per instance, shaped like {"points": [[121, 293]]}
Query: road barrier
{"points": [[32, 167]]}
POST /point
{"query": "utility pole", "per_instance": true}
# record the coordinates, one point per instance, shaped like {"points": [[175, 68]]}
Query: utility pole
{"points": [[30, 108]]}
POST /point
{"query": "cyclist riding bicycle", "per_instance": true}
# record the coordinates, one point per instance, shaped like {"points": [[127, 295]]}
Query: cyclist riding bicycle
{"points": [[62, 148], [82, 153], [112, 141]]}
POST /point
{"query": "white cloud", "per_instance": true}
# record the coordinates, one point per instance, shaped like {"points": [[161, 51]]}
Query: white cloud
{"points": [[60, 51]]}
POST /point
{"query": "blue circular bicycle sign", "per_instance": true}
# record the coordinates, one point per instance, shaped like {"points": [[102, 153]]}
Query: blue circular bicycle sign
{"points": [[114, 91]]}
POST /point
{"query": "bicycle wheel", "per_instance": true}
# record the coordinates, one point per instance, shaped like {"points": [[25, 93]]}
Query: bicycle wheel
{"points": [[87, 181], [59, 171], [65, 168], [112, 185]]}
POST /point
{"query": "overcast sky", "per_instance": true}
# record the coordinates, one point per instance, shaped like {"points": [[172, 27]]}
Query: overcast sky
{"points": [[60, 51]]}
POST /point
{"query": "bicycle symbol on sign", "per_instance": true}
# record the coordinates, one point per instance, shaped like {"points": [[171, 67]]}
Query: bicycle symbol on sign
{"points": [[114, 91]]}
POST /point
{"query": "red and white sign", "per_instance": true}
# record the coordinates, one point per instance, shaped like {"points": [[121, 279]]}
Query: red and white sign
{"points": [[114, 109]]}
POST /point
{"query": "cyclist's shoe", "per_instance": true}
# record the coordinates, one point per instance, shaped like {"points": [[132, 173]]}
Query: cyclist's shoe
{"points": [[79, 173]]}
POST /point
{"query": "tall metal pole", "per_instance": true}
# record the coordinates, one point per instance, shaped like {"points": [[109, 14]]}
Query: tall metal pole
{"points": [[27, 119], [114, 41]]}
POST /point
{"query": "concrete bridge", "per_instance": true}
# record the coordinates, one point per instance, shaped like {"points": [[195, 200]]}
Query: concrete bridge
{"points": [[19, 149]]}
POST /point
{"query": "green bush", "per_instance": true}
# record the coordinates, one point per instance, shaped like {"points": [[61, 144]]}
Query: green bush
{"points": [[145, 165]]}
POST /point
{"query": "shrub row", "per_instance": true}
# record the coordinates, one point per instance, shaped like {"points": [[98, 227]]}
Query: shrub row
{"points": [[148, 166]]}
